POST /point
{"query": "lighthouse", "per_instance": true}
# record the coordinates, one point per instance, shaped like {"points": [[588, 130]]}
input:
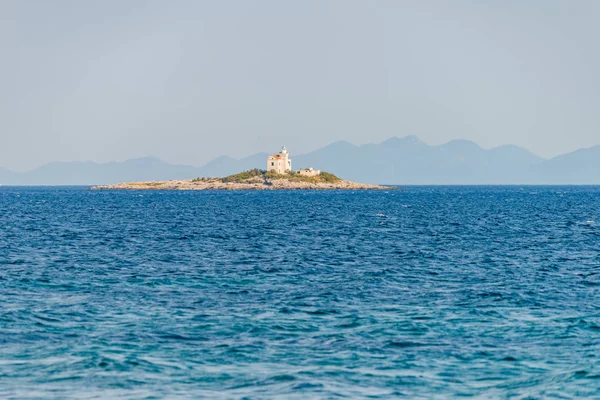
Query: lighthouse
{"points": [[280, 163]]}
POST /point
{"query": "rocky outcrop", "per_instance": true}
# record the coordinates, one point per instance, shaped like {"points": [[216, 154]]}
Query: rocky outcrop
{"points": [[250, 184]]}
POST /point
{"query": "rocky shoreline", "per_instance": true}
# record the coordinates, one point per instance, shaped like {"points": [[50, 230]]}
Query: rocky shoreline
{"points": [[251, 184]]}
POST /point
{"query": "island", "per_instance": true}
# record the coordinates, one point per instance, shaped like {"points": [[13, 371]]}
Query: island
{"points": [[254, 179], [278, 176]]}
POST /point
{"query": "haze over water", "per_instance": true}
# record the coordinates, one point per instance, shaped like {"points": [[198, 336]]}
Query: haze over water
{"points": [[431, 292]]}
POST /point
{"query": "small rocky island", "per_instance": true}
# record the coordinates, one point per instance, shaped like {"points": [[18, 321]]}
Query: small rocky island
{"points": [[278, 176], [251, 180]]}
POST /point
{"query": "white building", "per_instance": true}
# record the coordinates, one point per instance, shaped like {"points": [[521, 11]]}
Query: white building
{"points": [[280, 163], [309, 172]]}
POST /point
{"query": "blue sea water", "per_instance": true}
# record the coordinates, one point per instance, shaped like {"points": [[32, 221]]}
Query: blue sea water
{"points": [[429, 292]]}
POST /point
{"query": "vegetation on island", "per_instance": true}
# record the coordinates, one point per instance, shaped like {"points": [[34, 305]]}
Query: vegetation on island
{"points": [[256, 174]]}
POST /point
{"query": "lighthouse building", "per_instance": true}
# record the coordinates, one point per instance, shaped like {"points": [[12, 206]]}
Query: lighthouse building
{"points": [[280, 163]]}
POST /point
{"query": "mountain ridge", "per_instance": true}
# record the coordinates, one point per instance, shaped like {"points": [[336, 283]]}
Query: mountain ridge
{"points": [[396, 160]]}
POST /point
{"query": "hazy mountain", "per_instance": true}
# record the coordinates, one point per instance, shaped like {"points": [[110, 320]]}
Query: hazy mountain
{"points": [[401, 161], [577, 168], [7, 175], [90, 173], [410, 161], [224, 165]]}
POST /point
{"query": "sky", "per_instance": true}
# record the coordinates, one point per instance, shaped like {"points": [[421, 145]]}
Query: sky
{"points": [[188, 81]]}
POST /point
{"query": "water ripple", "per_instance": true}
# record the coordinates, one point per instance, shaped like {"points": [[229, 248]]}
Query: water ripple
{"points": [[432, 292]]}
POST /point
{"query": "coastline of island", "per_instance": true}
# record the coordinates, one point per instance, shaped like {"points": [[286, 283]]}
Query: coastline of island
{"points": [[250, 180]]}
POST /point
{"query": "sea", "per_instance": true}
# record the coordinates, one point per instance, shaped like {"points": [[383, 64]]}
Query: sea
{"points": [[436, 292]]}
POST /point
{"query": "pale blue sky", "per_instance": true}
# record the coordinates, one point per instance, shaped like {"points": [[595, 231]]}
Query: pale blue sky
{"points": [[190, 80]]}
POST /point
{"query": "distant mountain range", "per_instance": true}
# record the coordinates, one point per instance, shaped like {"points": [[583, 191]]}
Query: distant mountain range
{"points": [[402, 161]]}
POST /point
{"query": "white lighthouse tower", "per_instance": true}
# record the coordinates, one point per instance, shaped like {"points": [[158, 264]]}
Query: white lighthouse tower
{"points": [[280, 163]]}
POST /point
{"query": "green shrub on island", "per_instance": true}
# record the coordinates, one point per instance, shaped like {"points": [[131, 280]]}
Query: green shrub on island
{"points": [[244, 176], [328, 177], [256, 174]]}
